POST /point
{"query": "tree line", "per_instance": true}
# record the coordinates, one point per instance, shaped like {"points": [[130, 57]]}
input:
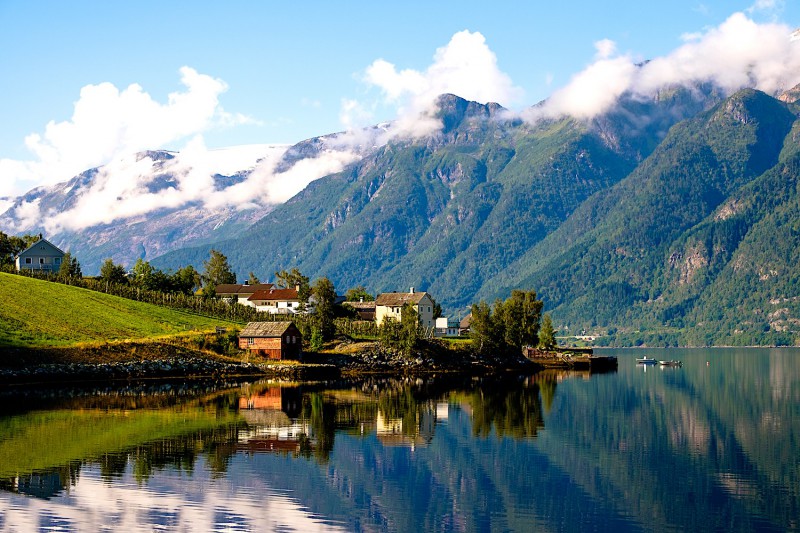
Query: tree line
{"points": [[503, 329]]}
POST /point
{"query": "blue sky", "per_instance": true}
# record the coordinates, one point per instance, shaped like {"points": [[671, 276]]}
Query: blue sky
{"points": [[268, 72]]}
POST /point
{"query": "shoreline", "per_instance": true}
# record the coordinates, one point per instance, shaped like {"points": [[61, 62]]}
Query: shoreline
{"points": [[141, 361]]}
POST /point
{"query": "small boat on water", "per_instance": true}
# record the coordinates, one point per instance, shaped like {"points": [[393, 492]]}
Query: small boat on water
{"points": [[670, 363], [646, 360]]}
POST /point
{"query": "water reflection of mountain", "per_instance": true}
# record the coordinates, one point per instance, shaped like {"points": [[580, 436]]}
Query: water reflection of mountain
{"points": [[705, 447]]}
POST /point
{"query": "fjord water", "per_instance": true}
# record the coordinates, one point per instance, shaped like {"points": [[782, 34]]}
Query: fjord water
{"points": [[711, 445]]}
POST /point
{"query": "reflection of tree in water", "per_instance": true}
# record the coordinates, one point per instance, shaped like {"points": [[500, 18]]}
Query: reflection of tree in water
{"points": [[511, 408], [547, 381], [322, 416], [179, 453]]}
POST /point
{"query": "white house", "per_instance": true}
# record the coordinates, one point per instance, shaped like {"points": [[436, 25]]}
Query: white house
{"points": [[276, 301], [446, 328], [390, 305], [242, 292]]}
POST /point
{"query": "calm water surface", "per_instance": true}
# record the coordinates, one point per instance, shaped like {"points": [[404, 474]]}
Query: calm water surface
{"points": [[711, 446]]}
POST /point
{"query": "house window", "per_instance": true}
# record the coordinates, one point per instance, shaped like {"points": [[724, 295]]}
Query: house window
{"points": [[57, 260], [41, 260], [250, 341], [28, 261]]}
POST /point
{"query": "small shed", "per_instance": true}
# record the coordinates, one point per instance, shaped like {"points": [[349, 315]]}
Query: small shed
{"points": [[274, 340]]}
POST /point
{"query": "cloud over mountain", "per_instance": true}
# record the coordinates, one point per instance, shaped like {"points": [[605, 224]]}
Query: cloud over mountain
{"points": [[738, 53], [108, 122]]}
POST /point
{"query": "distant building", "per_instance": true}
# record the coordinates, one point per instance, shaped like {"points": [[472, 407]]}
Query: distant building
{"points": [[276, 301], [390, 304], [241, 291], [42, 255], [446, 328], [365, 310], [274, 340], [464, 325]]}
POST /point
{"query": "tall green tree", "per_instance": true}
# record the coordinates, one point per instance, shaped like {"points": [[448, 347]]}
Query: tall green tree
{"points": [[547, 335], [113, 273], [292, 279], [186, 280], [142, 274], [216, 271], [11, 245], [70, 268], [324, 294], [253, 279], [481, 329], [521, 316], [508, 327], [409, 328]]}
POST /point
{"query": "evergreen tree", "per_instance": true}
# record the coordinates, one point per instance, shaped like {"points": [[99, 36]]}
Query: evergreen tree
{"points": [[216, 271], [70, 268], [253, 279]]}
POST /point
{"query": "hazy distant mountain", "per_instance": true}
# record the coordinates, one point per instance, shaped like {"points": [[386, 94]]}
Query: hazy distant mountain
{"points": [[150, 203]]}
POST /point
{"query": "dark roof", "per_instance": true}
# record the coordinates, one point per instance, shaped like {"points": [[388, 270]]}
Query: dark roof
{"points": [[242, 289], [398, 299], [265, 329], [37, 243], [275, 294], [466, 322], [361, 305]]}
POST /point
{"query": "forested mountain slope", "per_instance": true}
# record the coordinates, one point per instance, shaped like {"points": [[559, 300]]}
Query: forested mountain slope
{"points": [[450, 212], [695, 246]]}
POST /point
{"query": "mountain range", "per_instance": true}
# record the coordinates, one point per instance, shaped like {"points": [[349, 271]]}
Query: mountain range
{"points": [[672, 219]]}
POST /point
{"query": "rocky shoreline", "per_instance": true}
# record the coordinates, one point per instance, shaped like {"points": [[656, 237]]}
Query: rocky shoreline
{"points": [[132, 362]]}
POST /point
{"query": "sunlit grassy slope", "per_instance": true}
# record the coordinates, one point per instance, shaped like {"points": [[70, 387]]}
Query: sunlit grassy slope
{"points": [[35, 313]]}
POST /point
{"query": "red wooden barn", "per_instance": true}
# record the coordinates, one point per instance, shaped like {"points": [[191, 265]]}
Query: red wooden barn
{"points": [[274, 340]]}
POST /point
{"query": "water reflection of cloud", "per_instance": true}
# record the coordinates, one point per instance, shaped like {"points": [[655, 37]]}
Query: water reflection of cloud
{"points": [[95, 505]]}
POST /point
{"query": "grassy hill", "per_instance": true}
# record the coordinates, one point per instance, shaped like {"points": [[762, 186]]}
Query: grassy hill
{"points": [[38, 314]]}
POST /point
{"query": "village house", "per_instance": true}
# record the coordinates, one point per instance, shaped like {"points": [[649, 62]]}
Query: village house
{"points": [[42, 255], [274, 340], [241, 291], [276, 301], [446, 327], [365, 310], [390, 305]]}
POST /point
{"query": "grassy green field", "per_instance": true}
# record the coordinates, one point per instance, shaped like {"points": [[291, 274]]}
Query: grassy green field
{"points": [[37, 314]]}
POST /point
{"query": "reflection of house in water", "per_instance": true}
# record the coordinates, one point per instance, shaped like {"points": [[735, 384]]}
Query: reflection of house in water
{"points": [[414, 429], [272, 416], [44, 485]]}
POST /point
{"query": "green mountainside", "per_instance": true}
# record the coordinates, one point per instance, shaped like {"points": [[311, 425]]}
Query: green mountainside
{"points": [[672, 220], [669, 253]]}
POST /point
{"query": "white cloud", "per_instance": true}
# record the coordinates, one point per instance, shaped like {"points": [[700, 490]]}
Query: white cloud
{"points": [[738, 53], [130, 186], [108, 122], [465, 67]]}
